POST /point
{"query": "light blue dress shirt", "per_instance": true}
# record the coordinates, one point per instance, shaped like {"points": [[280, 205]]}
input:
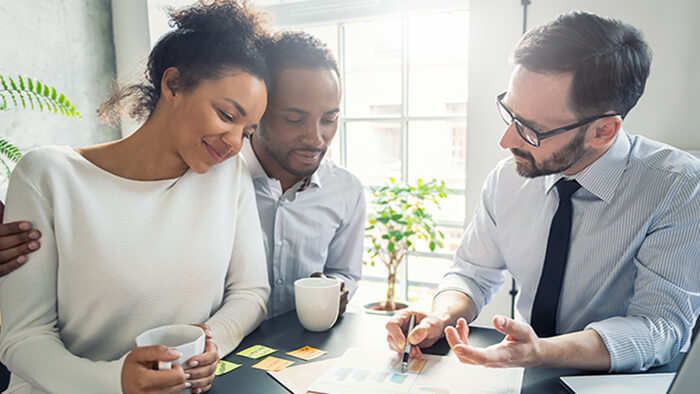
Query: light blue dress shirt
{"points": [[633, 272], [317, 225]]}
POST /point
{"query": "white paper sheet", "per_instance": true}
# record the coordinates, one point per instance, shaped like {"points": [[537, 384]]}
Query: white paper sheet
{"points": [[638, 383], [372, 371], [299, 377]]}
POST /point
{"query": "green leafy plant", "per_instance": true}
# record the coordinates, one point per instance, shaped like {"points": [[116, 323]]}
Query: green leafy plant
{"points": [[26, 93], [397, 219]]}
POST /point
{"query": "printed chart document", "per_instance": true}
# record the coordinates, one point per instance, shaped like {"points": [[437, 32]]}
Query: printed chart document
{"points": [[374, 371]]}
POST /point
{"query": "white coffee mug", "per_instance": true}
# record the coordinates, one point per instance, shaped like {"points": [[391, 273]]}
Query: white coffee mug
{"points": [[186, 339], [317, 301]]}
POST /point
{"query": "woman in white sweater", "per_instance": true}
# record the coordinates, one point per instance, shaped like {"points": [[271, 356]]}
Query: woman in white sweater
{"points": [[157, 228]]}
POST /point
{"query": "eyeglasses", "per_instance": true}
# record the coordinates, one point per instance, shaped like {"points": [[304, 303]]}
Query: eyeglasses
{"points": [[528, 133]]}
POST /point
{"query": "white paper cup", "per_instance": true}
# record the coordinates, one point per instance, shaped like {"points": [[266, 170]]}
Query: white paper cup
{"points": [[186, 339], [317, 301]]}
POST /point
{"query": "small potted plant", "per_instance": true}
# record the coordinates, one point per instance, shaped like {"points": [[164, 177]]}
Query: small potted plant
{"points": [[397, 220], [26, 93]]}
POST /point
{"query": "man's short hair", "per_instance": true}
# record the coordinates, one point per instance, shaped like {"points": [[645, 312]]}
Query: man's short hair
{"points": [[609, 59], [297, 50]]}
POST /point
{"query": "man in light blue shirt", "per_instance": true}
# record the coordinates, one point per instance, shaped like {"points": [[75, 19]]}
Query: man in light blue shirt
{"points": [[600, 229], [312, 211]]}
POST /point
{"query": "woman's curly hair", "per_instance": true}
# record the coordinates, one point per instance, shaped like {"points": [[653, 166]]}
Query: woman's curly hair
{"points": [[210, 38]]}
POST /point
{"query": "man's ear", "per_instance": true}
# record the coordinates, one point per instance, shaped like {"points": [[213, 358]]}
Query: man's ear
{"points": [[170, 83], [604, 131]]}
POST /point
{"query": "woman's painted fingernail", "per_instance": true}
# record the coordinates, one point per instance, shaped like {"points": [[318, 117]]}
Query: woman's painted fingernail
{"points": [[174, 352], [194, 363]]}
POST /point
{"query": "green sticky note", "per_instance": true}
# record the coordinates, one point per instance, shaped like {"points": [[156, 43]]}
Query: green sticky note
{"points": [[256, 352], [225, 367]]}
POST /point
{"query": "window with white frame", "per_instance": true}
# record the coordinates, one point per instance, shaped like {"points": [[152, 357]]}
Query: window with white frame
{"points": [[404, 116]]}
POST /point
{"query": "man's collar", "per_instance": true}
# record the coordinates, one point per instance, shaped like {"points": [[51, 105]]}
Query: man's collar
{"points": [[601, 177], [257, 170]]}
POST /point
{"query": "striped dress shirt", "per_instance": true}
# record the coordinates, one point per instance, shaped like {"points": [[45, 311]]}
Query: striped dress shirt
{"points": [[317, 225], [633, 271]]}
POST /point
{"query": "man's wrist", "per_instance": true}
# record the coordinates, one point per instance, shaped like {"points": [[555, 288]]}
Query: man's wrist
{"points": [[450, 305], [547, 353], [582, 349]]}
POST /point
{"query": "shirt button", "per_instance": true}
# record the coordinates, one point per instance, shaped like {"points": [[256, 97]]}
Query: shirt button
{"points": [[279, 281], [280, 242]]}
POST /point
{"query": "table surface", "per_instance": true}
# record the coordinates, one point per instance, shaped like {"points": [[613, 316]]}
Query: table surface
{"points": [[356, 328]]}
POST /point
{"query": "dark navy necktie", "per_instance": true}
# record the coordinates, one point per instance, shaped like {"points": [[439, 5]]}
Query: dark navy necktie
{"points": [[544, 308]]}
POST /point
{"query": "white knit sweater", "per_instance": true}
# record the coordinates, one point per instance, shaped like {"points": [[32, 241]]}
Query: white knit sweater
{"points": [[120, 256]]}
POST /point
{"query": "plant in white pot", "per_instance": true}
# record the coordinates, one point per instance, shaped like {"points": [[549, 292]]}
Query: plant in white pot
{"points": [[399, 218]]}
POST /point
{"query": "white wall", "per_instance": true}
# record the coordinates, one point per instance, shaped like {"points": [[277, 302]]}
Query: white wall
{"points": [[66, 44], [131, 32], [665, 112]]}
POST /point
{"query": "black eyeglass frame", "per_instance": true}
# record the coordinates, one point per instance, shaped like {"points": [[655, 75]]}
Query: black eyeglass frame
{"points": [[519, 124]]}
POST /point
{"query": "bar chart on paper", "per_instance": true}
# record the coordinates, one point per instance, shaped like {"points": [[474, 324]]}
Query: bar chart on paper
{"points": [[379, 371]]}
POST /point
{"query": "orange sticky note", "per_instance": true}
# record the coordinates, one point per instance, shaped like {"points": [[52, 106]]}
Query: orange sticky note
{"points": [[417, 365], [307, 353], [273, 364]]}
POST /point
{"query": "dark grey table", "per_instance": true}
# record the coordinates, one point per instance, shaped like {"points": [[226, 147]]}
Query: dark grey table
{"points": [[285, 333]]}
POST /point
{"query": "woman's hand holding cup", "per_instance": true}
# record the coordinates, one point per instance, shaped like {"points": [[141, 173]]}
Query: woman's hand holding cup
{"points": [[138, 375], [203, 366], [186, 349]]}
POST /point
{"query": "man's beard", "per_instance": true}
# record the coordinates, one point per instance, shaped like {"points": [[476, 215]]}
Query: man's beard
{"points": [[561, 160], [283, 157]]}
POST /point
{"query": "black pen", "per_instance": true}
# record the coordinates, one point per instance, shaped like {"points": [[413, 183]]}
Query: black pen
{"points": [[407, 345]]}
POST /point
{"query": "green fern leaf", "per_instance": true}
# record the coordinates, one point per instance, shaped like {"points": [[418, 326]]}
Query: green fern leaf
{"points": [[31, 101], [3, 105], [38, 100], [7, 168], [10, 151], [24, 103], [14, 99], [26, 89]]}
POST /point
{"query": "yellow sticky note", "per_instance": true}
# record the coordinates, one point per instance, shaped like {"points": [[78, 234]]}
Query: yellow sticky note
{"points": [[417, 365], [225, 367], [273, 364], [307, 353], [256, 352]]}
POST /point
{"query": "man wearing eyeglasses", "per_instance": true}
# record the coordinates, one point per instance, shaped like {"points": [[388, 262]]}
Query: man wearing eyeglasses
{"points": [[600, 229]]}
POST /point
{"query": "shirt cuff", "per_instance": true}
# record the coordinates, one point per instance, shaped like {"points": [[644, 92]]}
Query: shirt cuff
{"points": [[465, 285], [626, 339]]}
